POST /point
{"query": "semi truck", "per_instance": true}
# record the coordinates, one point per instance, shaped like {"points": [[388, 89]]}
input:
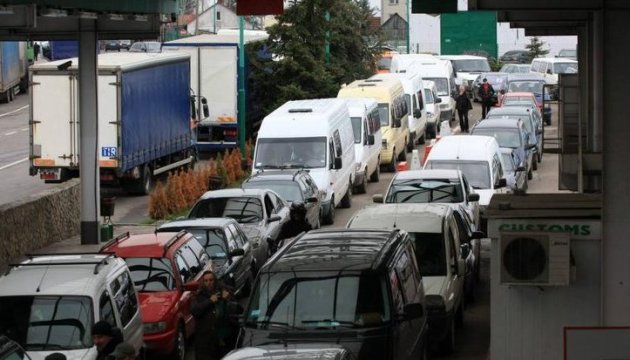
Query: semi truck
{"points": [[144, 116], [215, 75], [13, 69]]}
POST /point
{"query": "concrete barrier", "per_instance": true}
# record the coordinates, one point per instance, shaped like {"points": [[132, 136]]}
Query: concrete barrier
{"points": [[33, 223]]}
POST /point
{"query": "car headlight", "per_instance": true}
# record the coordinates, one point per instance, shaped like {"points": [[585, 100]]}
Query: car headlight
{"points": [[435, 303], [156, 327]]}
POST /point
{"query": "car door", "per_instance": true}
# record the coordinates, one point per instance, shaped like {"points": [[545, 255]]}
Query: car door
{"points": [[127, 309], [238, 268], [188, 269]]}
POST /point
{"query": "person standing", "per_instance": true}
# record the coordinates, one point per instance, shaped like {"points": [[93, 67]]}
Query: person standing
{"points": [[105, 338], [486, 93], [463, 105], [296, 225], [203, 309], [36, 48], [227, 325]]}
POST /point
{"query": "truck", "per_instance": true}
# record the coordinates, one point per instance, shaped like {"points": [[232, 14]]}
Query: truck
{"points": [[144, 119], [13, 69], [61, 49], [215, 76]]}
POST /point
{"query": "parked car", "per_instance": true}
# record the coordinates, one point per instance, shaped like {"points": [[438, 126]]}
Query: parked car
{"points": [[496, 79], [261, 213], [470, 246], [146, 46], [515, 68], [433, 231], [528, 99], [227, 246], [293, 185], [531, 120], [302, 351], [446, 186], [165, 268], [432, 104], [532, 82], [516, 56], [112, 45], [515, 171], [509, 133], [10, 350], [568, 54], [361, 288], [48, 303], [125, 44]]}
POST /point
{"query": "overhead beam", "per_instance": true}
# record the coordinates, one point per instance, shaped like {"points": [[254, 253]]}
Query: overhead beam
{"points": [[561, 5], [126, 6], [543, 15], [551, 32]]}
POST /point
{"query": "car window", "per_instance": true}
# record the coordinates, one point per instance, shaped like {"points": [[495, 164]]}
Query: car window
{"points": [[151, 274], [237, 236], [106, 309], [397, 295], [199, 251], [242, 238], [407, 278], [337, 142], [231, 239], [430, 252], [192, 262], [450, 236], [269, 205], [212, 240], [126, 300], [245, 209], [182, 267], [278, 204]]}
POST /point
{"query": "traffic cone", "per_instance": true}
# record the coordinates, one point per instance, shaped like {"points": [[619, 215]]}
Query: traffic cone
{"points": [[427, 150], [415, 160], [402, 166]]}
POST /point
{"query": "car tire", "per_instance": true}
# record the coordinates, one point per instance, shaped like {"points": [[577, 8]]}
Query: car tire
{"points": [[346, 200], [179, 352], [362, 188], [403, 155], [421, 139], [535, 163], [410, 145], [376, 175], [329, 217], [530, 174], [459, 314], [391, 167]]}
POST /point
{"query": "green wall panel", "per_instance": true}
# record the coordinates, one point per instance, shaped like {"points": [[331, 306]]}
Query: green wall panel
{"points": [[469, 31]]}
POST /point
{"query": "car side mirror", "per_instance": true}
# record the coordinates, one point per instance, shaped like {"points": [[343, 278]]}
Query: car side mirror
{"points": [[531, 146], [438, 100], [312, 200], [204, 106], [377, 198], [520, 168], [396, 123], [501, 184], [473, 197], [370, 139], [417, 113], [478, 235], [274, 218], [413, 311], [338, 164], [464, 250], [236, 252], [191, 286]]}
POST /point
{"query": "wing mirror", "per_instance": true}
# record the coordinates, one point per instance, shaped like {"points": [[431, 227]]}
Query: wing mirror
{"points": [[396, 123], [438, 100], [473, 197], [274, 218], [377, 198], [417, 113], [478, 235], [370, 139], [501, 184], [312, 199], [204, 106], [521, 168]]}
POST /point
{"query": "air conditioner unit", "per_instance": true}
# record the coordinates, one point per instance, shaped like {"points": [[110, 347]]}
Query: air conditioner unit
{"points": [[535, 258]]}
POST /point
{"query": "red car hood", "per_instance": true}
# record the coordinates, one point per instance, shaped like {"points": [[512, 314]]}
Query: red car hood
{"points": [[155, 305]]}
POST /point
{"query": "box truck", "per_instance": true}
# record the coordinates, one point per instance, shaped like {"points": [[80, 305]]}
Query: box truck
{"points": [[13, 69], [144, 118]]}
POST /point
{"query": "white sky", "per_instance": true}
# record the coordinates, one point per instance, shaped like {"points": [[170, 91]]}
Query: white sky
{"points": [[375, 4]]}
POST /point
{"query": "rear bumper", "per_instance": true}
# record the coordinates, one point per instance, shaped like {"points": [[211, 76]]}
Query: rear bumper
{"points": [[161, 343]]}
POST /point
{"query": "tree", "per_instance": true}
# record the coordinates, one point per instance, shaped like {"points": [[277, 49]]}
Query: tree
{"points": [[535, 48], [298, 68]]}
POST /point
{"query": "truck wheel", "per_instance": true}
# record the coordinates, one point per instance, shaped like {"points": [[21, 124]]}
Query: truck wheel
{"points": [[391, 167], [375, 176], [447, 345], [143, 185], [179, 352], [346, 200]]}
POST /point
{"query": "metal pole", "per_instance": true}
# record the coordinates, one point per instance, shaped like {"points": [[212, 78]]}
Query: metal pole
{"points": [[241, 83], [214, 21], [196, 17], [408, 27], [327, 17]]}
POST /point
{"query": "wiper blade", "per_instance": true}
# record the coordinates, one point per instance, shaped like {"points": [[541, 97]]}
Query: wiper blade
{"points": [[330, 323], [266, 323]]}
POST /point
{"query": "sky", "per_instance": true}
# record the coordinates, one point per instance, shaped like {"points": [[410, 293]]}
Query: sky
{"points": [[375, 4]]}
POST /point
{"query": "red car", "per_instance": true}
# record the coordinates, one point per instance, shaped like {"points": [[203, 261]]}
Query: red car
{"points": [[165, 268]]}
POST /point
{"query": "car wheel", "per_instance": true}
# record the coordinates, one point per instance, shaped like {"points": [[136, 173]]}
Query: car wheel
{"points": [[377, 172], [530, 174], [179, 352], [403, 155], [539, 156], [410, 145], [362, 188], [391, 167], [329, 217], [421, 138], [535, 163], [459, 315], [346, 201]]}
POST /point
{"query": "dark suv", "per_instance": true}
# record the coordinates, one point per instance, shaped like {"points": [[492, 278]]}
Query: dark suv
{"points": [[359, 288], [293, 186]]}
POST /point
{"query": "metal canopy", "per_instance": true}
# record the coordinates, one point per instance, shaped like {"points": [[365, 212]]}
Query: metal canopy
{"points": [[58, 20]]}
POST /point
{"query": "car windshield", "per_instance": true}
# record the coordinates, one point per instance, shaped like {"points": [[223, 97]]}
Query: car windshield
{"points": [[383, 113], [527, 119], [477, 172], [425, 191], [430, 250], [244, 209], [47, 322], [212, 240], [505, 137], [441, 84], [471, 65], [356, 128], [151, 274], [531, 86], [278, 153], [287, 189], [318, 300], [428, 96], [565, 68]]}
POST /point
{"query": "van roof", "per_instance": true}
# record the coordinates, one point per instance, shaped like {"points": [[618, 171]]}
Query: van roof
{"points": [[498, 123], [119, 61], [525, 77], [358, 106], [555, 60], [304, 117], [59, 274], [462, 57], [459, 147], [427, 174], [425, 217], [335, 250], [381, 89]]}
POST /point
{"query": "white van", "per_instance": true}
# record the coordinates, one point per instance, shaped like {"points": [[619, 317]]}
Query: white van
{"points": [[393, 114], [467, 68], [414, 95], [401, 63], [551, 67], [316, 135], [432, 107], [479, 158], [366, 126]]}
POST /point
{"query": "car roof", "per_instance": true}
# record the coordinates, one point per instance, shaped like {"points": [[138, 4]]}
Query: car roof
{"points": [[520, 93], [416, 217], [233, 192], [334, 250], [214, 222], [427, 174], [305, 351], [59, 274], [525, 76], [510, 110], [146, 245], [498, 123]]}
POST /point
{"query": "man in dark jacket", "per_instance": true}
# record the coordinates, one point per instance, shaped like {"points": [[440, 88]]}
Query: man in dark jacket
{"points": [[203, 309], [105, 338], [486, 93], [296, 225]]}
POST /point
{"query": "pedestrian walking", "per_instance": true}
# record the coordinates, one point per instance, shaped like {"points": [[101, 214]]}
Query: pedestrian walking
{"points": [[105, 337], [36, 48], [463, 105], [486, 93], [203, 309]]}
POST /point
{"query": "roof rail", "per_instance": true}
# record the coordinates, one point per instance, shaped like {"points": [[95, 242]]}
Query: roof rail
{"points": [[95, 262], [174, 239], [386, 249], [116, 240]]}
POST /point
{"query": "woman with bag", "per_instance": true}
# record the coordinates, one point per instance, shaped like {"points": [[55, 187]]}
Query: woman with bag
{"points": [[463, 105]]}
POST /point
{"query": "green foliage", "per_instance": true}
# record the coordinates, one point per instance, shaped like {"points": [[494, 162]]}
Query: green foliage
{"points": [[299, 68], [535, 48]]}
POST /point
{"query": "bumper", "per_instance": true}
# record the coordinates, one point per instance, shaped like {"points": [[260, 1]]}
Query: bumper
{"points": [[161, 343]]}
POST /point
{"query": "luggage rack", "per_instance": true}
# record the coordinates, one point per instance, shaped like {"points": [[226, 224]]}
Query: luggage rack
{"points": [[96, 262]]}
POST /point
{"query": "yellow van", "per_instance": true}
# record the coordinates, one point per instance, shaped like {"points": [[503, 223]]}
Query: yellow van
{"points": [[393, 111]]}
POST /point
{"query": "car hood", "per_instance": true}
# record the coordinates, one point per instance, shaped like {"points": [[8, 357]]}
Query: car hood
{"points": [[434, 285], [81, 354], [155, 305], [253, 231]]}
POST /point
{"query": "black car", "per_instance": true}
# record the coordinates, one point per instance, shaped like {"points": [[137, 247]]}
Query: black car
{"points": [[293, 186], [112, 45], [361, 289], [516, 56], [498, 80], [10, 350], [227, 246]]}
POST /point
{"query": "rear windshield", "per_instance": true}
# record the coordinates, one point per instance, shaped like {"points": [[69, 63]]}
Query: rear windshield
{"points": [[287, 189], [151, 274], [505, 137], [46, 322], [425, 191], [477, 172], [431, 253], [244, 209]]}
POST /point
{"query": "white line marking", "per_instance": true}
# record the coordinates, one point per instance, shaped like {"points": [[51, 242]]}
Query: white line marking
{"points": [[14, 111], [13, 163], [10, 133]]}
